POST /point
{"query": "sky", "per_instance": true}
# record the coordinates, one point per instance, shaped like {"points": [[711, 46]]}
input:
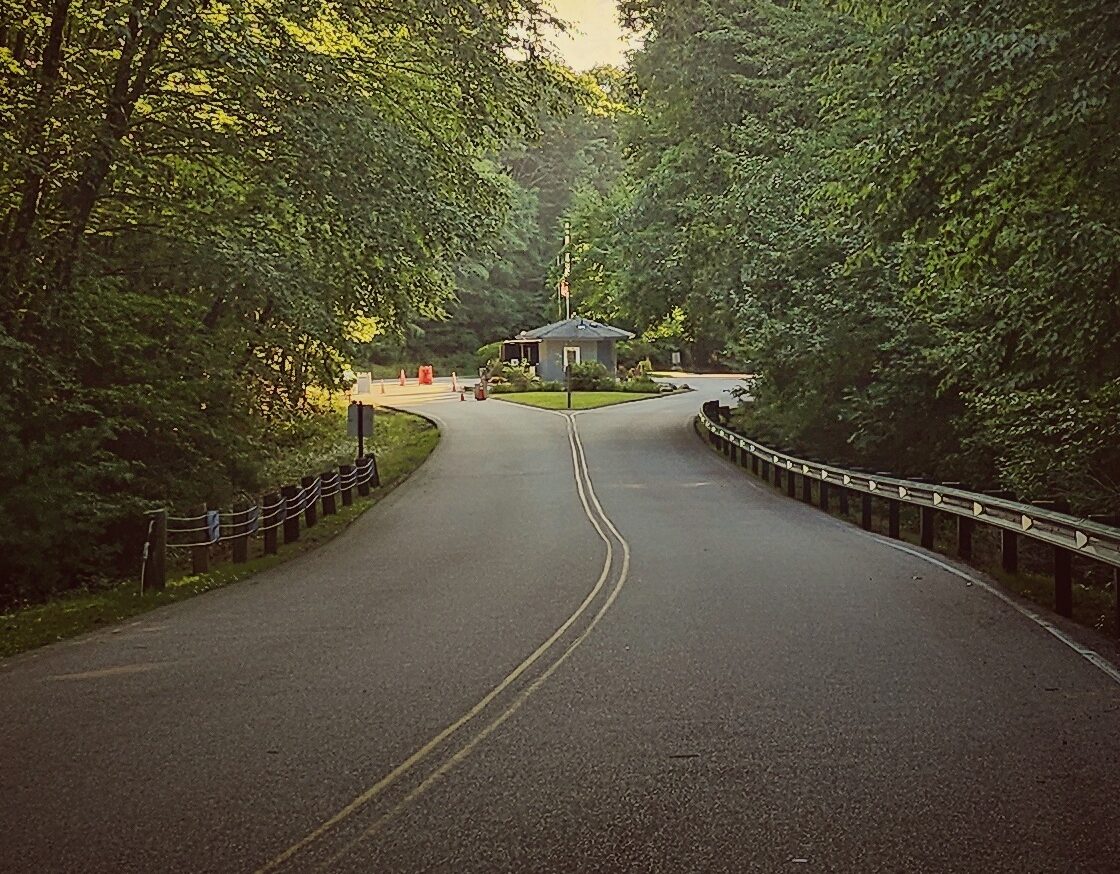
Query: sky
{"points": [[594, 37]]}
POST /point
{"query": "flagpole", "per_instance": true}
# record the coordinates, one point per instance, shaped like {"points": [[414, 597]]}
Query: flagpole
{"points": [[568, 266]]}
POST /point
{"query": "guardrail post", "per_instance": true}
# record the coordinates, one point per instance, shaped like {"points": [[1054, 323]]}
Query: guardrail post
{"points": [[754, 464], [927, 522], [155, 562], [270, 538], [291, 514], [844, 508], [865, 512], [345, 471], [824, 495], [310, 512], [1063, 564], [200, 555], [791, 484], [727, 448], [1009, 550], [806, 488], [330, 506], [764, 469], [239, 546], [777, 476], [894, 521], [964, 537], [1112, 519], [1063, 581]]}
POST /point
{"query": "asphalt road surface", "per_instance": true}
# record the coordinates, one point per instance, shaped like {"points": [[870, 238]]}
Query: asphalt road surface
{"points": [[569, 644]]}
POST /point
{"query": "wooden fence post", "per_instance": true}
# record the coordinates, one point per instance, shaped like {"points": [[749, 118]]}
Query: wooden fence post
{"points": [[330, 505], [155, 560], [200, 555], [363, 487], [239, 546], [291, 513], [270, 535], [310, 512], [345, 472]]}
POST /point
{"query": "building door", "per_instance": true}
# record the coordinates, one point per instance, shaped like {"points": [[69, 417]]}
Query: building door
{"points": [[571, 355]]}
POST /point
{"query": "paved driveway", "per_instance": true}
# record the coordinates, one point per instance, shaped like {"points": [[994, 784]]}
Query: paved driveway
{"points": [[569, 644]]}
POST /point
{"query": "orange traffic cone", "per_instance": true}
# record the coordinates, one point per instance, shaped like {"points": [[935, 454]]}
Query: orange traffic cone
{"points": [[402, 380], [462, 395]]}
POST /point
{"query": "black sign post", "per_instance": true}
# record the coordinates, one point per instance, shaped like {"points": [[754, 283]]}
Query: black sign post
{"points": [[360, 424]]}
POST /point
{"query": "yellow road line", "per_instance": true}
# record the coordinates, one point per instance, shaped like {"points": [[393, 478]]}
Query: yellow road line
{"points": [[465, 751], [417, 757]]}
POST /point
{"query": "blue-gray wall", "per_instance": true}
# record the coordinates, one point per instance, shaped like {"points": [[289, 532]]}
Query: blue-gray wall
{"points": [[551, 365]]}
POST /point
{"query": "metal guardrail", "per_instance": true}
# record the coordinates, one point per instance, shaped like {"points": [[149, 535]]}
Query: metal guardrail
{"points": [[1069, 535]]}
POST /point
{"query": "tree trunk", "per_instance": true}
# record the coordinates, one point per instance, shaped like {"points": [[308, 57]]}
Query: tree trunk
{"points": [[15, 244]]}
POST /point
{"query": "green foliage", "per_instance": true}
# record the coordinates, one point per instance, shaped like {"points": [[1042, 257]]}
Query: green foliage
{"points": [[205, 213], [511, 286], [591, 376], [904, 217]]}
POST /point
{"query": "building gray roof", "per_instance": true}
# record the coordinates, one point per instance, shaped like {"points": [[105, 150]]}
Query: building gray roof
{"points": [[575, 328]]}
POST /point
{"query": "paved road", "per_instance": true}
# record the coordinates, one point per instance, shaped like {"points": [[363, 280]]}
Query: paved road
{"points": [[569, 645]]}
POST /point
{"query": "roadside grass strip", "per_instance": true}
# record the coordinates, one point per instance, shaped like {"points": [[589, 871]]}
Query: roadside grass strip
{"points": [[405, 443]]}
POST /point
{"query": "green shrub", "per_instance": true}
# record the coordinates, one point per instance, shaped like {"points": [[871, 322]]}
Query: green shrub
{"points": [[486, 354], [521, 378], [640, 385], [592, 376]]}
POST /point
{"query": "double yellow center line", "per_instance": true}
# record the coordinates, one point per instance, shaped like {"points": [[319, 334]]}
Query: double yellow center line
{"points": [[610, 535]]}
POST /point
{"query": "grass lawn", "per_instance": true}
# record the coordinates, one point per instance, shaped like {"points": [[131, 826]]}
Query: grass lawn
{"points": [[581, 400], [403, 443]]}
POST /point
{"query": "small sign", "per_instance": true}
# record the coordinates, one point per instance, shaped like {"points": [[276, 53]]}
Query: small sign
{"points": [[213, 525], [352, 420]]}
